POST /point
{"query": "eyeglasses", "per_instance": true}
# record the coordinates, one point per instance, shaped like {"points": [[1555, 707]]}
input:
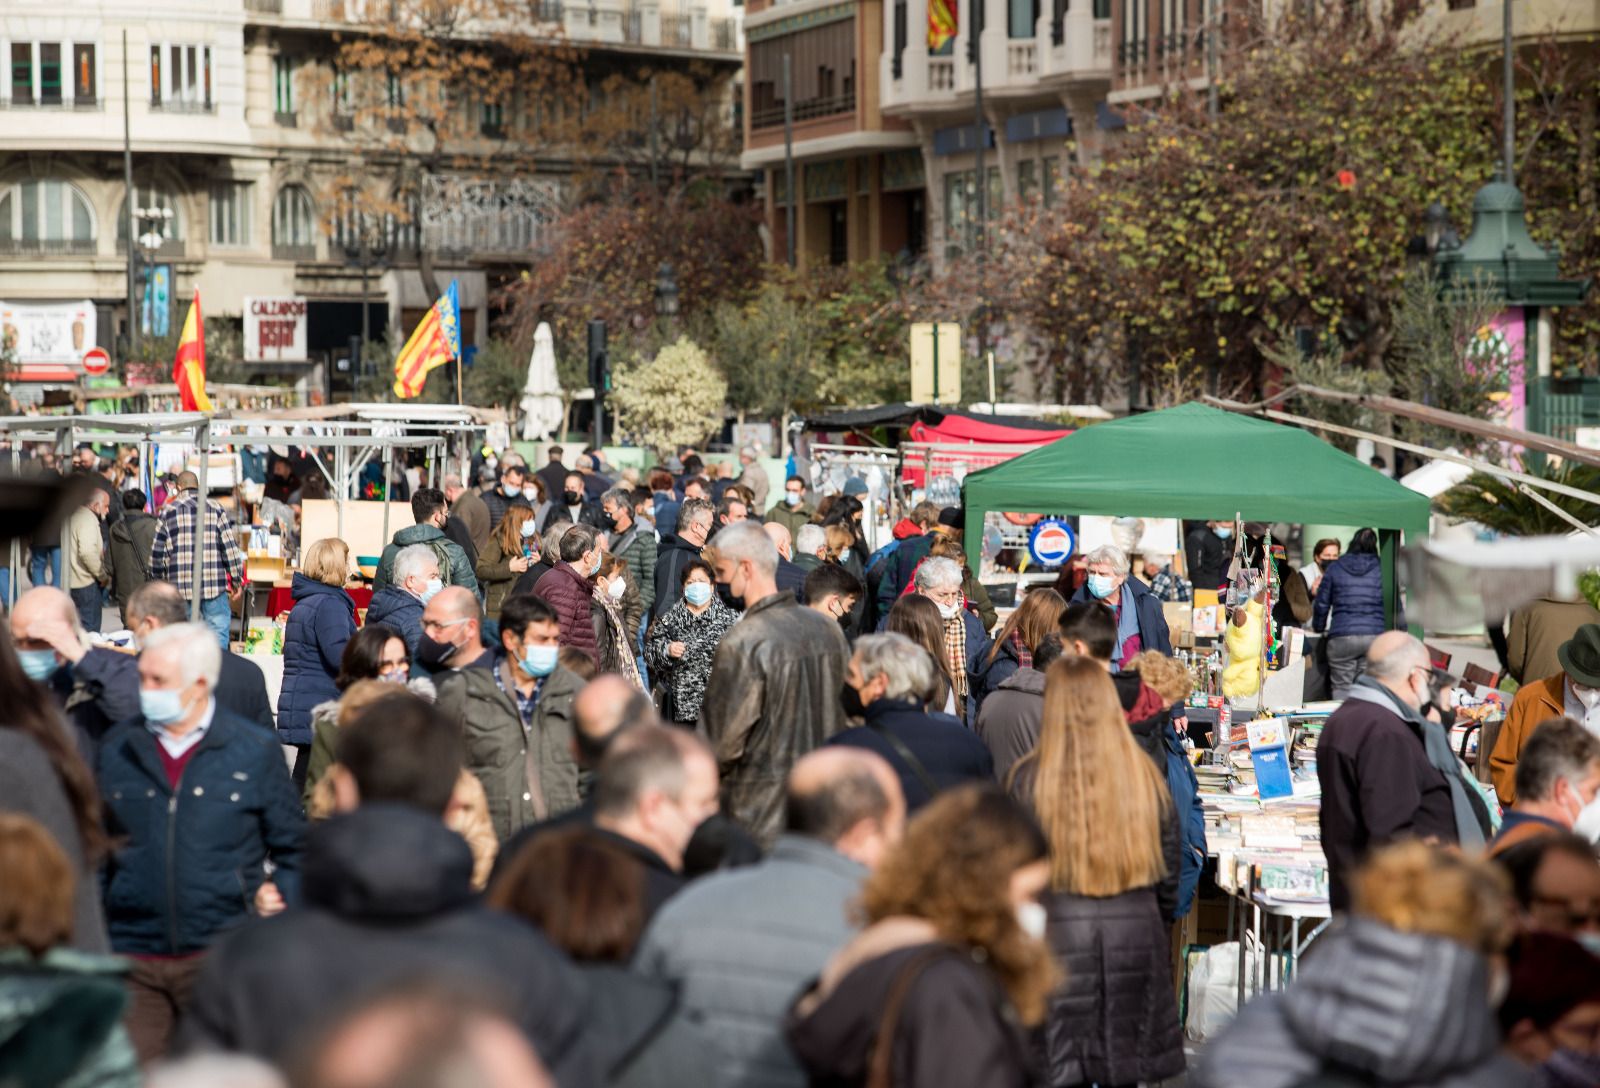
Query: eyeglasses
{"points": [[440, 625], [1563, 912]]}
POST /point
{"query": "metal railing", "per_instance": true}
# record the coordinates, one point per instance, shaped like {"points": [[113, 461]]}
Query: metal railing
{"points": [[264, 7], [86, 104], [288, 252], [804, 111], [167, 105], [48, 247]]}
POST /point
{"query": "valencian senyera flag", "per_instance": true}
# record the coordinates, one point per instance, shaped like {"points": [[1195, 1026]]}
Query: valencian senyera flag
{"points": [[942, 22], [189, 365], [434, 342]]}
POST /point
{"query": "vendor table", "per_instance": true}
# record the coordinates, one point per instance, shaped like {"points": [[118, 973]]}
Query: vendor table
{"points": [[280, 601], [1257, 914]]}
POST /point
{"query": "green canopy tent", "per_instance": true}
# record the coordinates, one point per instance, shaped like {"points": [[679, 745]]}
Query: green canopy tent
{"points": [[1200, 463]]}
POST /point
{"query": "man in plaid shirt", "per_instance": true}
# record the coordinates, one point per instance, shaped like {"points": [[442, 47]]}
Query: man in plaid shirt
{"points": [[172, 555], [1166, 584]]}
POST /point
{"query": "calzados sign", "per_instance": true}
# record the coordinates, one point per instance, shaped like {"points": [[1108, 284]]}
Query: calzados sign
{"points": [[274, 330]]}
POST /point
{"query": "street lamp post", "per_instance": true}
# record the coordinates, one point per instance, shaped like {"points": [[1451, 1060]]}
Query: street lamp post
{"points": [[365, 252], [667, 293], [154, 222]]}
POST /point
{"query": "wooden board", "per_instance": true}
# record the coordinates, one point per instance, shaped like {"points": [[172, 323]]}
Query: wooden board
{"points": [[363, 524]]}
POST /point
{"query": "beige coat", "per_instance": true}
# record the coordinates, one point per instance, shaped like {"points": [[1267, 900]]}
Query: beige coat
{"points": [[85, 549]]}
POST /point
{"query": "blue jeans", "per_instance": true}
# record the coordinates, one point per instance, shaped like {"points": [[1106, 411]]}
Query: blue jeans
{"points": [[216, 614], [38, 561], [88, 601]]}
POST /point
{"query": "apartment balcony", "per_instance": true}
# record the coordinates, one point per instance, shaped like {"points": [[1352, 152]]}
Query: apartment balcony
{"points": [[48, 247], [841, 105], [1075, 52]]}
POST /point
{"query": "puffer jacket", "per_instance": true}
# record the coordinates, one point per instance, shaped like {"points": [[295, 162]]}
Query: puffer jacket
{"points": [[321, 623], [772, 697], [645, 1035], [1391, 1008], [673, 555], [1008, 722], [503, 754], [401, 612], [572, 596], [132, 538], [61, 1021], [1353, 589], [1115, 1019], [191, 858], [455, 569], [637, 548]]}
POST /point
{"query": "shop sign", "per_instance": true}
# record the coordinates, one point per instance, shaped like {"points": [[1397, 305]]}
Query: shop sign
{"points": [[274, 330], [1051, 543], [46, 332]]}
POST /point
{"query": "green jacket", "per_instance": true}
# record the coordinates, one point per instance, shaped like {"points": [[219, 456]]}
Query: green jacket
{"points": [[528, 775], [454, 569], [61, 1021], [791, 517], [495, 576]]}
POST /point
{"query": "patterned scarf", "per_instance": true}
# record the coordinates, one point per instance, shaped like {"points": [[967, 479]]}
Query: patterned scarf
{"points": [[955, 653]]}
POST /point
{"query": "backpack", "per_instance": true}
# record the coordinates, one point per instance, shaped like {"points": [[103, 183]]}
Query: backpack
{"points": [[442, 554]]}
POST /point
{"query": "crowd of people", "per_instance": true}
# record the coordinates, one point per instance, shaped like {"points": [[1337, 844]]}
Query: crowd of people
{"points": [[624, 782]]}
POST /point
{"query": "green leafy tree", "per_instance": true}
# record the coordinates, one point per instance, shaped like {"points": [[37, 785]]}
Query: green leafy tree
{"points": [[675, 399], [1503, 506]]}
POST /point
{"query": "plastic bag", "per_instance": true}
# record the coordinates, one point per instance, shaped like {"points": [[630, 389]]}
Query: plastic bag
{"points": [[1214, 989]]}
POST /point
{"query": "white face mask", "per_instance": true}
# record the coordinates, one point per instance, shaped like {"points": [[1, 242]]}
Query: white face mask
{"points": [[1587, 822], [948, 612], [616, 588], [434, 586], [1032, 918]]}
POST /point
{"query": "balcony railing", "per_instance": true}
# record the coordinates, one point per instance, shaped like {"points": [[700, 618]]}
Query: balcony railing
{"points": [[287, 252], [86, 103], [168, 105], [264, 7], [48, 247], [810, 110], [941, 74], [1022, 58]]}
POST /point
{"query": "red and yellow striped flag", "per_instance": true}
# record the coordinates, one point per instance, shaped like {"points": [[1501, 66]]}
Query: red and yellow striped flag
{"points": [[435, 341], [189, 366], [943, 21]]}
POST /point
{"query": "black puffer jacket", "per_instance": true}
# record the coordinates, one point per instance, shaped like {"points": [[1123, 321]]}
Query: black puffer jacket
{"points": [[1115, 1019]]}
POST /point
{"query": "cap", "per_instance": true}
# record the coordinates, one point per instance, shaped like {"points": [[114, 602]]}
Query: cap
{"points": [[953, 517], [855, 485]]}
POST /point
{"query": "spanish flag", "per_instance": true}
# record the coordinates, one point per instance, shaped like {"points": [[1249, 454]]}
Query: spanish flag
{"points": [[435, 341], [943, 21], [189, 367]]}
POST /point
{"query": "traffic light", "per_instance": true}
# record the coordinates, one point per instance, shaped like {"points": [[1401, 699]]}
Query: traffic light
{"points": [[599, 360]]}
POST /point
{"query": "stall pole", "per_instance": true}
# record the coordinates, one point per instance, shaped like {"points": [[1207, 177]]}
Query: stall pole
{"points": [[388, 476], [202, 511], [16, 543], [339, 486]]}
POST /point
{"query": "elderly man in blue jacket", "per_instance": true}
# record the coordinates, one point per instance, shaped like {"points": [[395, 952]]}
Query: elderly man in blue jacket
{"points": [[199, 801], [1141, 624]]}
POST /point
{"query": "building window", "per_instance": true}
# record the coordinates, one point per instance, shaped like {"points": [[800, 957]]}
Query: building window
{"points": [[1023, 16], [492, 119], [180, 77], [283, 69], [293, 221], [84, 79], [50, 73], [823, 70], [21, 73], [1052, 180], [45, 215], [230, 213], [901, 33], [959, 197], [1102, 9], [1027, 180], [395, 91]]}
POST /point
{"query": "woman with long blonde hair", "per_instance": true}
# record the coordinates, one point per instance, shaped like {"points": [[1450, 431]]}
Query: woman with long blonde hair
{"points": [[1108, 816], [935, 990]]}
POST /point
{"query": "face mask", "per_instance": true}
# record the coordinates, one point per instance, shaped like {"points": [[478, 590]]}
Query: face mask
{"points": [[528, 529], [1101, 585], [531, 494], [948, 612], [539, 660], [38, 664], [396, 677], [616, 588], [1587, 822], [434, 586], [1223, 532], [697, 593], [160, 707], [433, 654], [511, 490], [572, 498], [1032, 919], [1589, 697], [609, 520], [594, 571], [492, 462], [792, 497], [1324, 564], [1590, 942]]}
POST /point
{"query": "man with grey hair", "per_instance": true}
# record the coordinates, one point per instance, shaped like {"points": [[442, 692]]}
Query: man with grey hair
{"points": [[630, 542], [887, 686], [1558, 779], [773, 693], [398, 605], [198, 801], [810, 546], [695, 517], [1141, 624], [569, 588], [966, 643], [241, 689], [1386, 769], [754, 476]]}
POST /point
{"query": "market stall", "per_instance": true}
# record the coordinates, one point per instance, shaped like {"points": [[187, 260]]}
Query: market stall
{"points": [[1200, 463]]}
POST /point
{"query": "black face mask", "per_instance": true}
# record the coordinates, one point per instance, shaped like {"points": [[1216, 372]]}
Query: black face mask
{"points": [[850, 699], [590, 749], [725, 594], [609, 520], [572, 498], [432, 654], [1324, 564]]}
